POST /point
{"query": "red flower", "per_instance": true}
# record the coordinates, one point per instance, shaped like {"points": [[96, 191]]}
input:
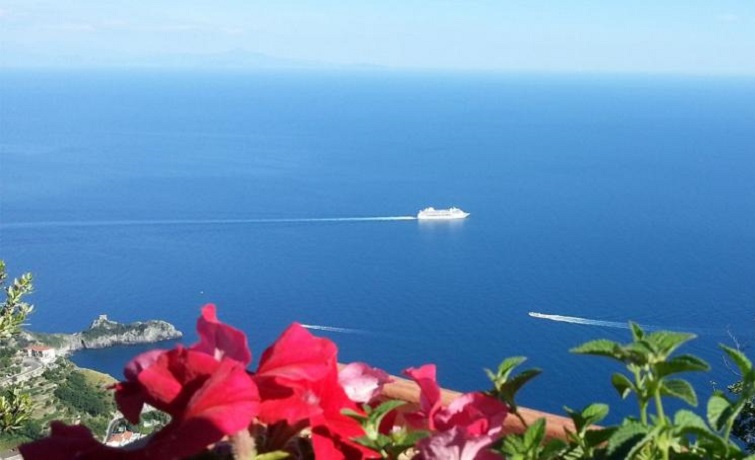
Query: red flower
{"points": [[298, 381], [205, 389], [287, 371], [65, 443], [221, 340], [298, 355]]}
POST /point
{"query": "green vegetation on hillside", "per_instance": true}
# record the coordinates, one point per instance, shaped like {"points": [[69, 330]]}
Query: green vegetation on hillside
{"points": [[64, 393]]}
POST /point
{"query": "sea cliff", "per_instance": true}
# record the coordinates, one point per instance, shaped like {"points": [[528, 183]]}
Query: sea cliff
{"points": [[103, 333]]}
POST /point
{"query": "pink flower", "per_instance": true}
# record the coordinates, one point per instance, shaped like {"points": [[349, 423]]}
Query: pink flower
{"points": [[361, 382], [476, 413], [462, 430], [429, 396], [221, 340], [456, 444]]}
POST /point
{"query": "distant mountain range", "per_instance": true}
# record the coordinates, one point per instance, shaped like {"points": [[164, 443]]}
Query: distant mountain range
{"points": [[229, 60]]}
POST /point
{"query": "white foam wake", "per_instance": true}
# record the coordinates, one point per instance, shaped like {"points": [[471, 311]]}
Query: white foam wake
{"points": [[126, 223], [625, 325], [586, 321], [342, 330]]}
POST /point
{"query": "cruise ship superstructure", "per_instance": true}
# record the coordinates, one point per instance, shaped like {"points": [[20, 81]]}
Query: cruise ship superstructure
{"points": [[441, 214]]}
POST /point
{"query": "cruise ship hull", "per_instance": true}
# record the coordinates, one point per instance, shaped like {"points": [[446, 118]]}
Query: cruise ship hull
{"points": [[442, 214]]}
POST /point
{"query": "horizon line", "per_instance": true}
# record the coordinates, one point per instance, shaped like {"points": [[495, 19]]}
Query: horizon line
{"points": [[369, 69]]}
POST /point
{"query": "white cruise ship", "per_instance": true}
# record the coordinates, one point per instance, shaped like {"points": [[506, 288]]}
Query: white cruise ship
{"points": [[441, 214]]}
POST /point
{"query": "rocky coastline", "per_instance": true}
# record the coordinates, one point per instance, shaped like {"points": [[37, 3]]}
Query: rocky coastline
{"points": [[103, 333]]}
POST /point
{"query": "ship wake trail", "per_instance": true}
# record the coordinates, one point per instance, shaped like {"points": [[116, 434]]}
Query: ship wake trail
{"points": [[586, 321], [181, 222], [342, 330], [625, 325]]}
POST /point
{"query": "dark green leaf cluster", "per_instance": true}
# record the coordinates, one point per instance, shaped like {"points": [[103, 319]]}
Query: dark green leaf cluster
{"points": [[391, 445], [15, 407]]}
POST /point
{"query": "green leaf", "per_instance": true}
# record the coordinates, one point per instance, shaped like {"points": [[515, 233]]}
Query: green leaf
{"points": [[681, 389], [685, 418], [353, 414], [535, 433], [600, 347], [508, 365], [510, 388], [683, 363], [637, 332], [689, 423], [597, 437], [638, 352], [622, 384], [665, 342], [577, 418], [718, 411], [744, 364], [552, 448], [275, 455], [653, 434], [594, 413], [626, 437], [380, 411], [513, 445]]}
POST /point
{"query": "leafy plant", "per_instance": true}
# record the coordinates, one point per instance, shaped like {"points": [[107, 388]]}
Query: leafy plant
{"points": [[15, 407], [14, 310], [506, 386], [390, 444], [652, 376]]}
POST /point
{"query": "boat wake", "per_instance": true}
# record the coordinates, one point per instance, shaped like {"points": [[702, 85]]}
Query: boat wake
{"points": [[587, 321], [625, 325], [342, 330], [178, 222]]}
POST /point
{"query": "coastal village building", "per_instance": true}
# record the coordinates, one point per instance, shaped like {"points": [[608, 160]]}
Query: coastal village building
{"points": [[123, 438], [41, 352]]}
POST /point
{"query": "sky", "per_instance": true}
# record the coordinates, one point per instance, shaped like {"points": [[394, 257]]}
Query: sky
{"points": [[637, 36]]}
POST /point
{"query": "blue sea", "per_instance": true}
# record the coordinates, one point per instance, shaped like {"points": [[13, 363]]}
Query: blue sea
{"points": [[605, 198]]}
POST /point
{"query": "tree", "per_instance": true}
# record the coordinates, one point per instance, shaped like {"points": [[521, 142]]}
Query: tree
{"points": [[15, 406], [14, 310]]}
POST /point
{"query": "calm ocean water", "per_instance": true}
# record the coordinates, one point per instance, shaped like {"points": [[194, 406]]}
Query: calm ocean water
{"points": [[605, 198]]}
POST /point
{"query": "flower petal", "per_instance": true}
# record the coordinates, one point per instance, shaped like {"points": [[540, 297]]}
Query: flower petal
{"points": [[66, 442], [477, 413], [429, 399], [361, 382], [219, 339], [455, 444], [298, 355]]}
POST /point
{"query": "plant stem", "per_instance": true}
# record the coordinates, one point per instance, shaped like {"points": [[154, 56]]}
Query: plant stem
{"points": [[659, 404], [641, 399]]}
